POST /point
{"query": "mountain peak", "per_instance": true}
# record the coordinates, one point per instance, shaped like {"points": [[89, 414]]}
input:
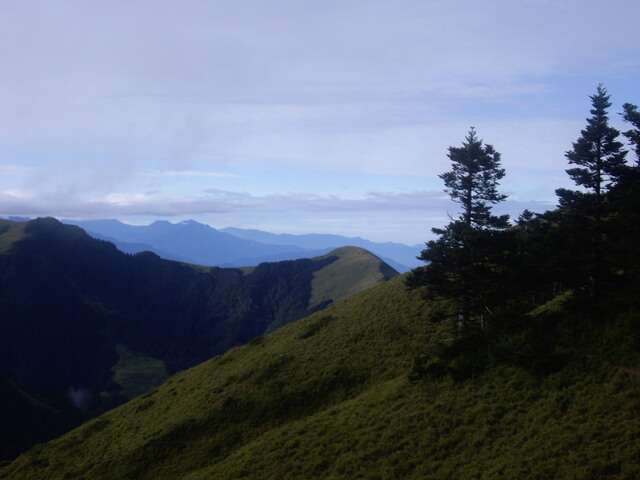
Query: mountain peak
{"points": [[358, 270]]}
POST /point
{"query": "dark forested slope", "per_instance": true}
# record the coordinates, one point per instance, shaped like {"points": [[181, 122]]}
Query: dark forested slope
{"points": [[85, 327]]}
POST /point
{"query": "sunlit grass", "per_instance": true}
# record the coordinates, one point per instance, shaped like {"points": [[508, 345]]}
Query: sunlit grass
{"points": [[331, 397], [10, 232], [356, 272]]}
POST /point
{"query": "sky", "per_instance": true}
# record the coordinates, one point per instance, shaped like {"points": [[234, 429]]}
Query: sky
{"points": [[297, 116]]}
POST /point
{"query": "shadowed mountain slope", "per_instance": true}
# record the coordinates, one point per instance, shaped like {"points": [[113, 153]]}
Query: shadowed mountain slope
{"points": [[85, 327]]}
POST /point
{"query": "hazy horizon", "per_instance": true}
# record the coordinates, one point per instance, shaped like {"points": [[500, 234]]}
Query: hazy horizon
{"points": [[297, 117]]}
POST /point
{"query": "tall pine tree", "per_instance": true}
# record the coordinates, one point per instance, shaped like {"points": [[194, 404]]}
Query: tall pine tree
{"points": [[599, 155], [623, 248], [457, 259], [601, 164]]}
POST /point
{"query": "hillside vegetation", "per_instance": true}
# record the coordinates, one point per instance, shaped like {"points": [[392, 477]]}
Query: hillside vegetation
{"points": [[85, 327], [354, 271], [345, 394], [10, 232]]}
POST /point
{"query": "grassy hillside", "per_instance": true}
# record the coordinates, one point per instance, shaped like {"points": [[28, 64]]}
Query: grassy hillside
{"points": [[372, 388], [10, 232], [355, 270], [85, 327]]}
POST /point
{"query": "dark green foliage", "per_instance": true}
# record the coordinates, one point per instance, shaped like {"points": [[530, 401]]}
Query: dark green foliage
{"points": [[462, 357], [632, 116], [606, 214], [473, 181], [601, 164], [598, 153], [581, 260], [460, 263], [622, 248]]}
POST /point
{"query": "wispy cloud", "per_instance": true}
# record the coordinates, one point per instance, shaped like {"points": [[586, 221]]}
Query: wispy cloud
{"points": [[215, 201], [186, 173], [402, 217]]}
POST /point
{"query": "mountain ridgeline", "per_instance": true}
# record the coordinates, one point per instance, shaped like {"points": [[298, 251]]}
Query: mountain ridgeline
{"points": [[196, 243], [85, 327]]}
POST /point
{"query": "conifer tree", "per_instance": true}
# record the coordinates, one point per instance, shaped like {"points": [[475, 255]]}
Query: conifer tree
{"points": [[473, 181], [623, 248], [601, 164], [599, 155], [632, 116], [457, 259]]}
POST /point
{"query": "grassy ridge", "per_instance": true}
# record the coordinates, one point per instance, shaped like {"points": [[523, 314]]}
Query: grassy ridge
{"points": [[331, 397], [10, 232], [355, 270]]}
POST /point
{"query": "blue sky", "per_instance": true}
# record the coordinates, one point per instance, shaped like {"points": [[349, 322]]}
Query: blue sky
{"points": [[296, 116]]}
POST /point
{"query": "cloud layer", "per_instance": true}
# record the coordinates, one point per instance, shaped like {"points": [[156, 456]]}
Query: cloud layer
{"points": [[140, 108]]}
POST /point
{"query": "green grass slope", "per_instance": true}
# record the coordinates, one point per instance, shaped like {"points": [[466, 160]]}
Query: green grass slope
{"points": [[336, 396], [10, 232], [355, 270]]}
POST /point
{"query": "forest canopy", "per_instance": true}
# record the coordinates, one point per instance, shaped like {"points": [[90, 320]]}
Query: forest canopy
{"points": [[494, 272]]}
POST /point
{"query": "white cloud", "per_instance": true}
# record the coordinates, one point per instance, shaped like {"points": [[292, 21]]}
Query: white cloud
{"points": [[186, 173], [137, 73], [19, 193], [102, 97], [380, 216], [19, 202]]}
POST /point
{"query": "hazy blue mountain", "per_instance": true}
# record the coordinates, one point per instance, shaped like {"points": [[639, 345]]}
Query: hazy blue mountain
{"points": [[401, 257], [200, 244], [133, 248], [188, 241]]}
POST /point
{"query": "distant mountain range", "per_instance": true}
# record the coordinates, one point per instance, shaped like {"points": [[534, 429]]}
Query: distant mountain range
{"points": [[200, 244], [85, 327]]}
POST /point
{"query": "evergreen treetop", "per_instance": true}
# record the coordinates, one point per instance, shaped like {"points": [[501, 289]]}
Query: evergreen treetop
{"points": [[598, 153], [632, 116], [459, 260], [472, 182]]}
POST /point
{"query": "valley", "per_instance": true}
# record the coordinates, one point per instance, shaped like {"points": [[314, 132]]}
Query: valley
{"points": [[86, 327]]}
